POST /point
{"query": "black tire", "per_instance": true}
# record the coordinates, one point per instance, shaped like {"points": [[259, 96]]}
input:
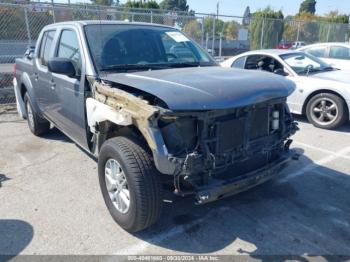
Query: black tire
{"points": [[142, 180], [39, 125], [341, 113]]}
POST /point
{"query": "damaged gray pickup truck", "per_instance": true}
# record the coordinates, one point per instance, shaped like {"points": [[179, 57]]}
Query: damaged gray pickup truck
{"points": [[157, 112]]}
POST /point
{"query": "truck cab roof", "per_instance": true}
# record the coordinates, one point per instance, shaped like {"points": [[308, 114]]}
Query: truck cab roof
{"points": [[82, 23]]}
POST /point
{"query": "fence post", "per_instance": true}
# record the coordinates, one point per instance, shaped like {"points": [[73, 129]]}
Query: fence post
{"points": [[220, 46], [151, 16], [329, 31], [213, 41], [262, 33], [53, 11], [207, 41], [202, 34], [298, 33], [27, 25]]}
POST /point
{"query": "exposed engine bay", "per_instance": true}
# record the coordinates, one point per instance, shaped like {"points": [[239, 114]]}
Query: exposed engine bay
{"points": [[204, 150]]}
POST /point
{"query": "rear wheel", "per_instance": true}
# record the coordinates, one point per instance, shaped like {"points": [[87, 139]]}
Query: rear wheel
{"points": [[327, 111], [129, 183], [37, 125]]}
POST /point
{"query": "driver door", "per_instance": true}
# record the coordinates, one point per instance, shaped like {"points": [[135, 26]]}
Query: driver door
{"points": [[70, 90]]}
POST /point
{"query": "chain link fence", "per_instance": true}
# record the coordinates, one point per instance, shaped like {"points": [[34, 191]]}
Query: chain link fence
{"points": [[222, 36]]}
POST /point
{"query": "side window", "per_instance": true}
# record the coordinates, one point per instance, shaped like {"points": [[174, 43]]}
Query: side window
{"points": [[317, 51], [239, 63], [68, 47], [339, 52], [252, 62], [45, 48]]}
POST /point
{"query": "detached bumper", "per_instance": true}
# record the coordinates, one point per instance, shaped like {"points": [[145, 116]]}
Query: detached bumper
{"points": [[218, 189]]}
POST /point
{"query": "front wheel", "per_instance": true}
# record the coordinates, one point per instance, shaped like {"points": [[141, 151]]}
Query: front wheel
{"points": [[327, 111], [129, 183]]}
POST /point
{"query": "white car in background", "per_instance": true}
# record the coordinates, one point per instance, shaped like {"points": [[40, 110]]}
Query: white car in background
{"points": [[298, 44], [335, 54], [322, 92]]}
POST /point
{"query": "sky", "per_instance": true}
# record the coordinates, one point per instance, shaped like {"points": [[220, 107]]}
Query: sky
{"points": [[237, 7]]}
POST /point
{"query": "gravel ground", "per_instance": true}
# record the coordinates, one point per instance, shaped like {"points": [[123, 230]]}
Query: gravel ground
{"points": [[50, 203]]}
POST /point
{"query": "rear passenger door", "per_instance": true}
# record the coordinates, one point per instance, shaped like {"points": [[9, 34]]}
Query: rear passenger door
{"points": [[339, 57], [70, 90], [42, 79]]}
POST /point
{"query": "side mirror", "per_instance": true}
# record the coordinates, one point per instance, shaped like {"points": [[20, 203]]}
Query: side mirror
{"points": [[63, 66], [280, 72], [29, 54]]}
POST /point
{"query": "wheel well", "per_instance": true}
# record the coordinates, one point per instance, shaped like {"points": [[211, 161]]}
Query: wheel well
{"points": [[319, 92], [23, 91], [108, 130]]}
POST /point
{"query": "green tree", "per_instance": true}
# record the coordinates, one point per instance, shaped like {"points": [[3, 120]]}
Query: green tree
{"points": [[266, 28], [308, 6], [103, 2], [193, 29], [302, 27], [246, 16], [176, 5], [231, 30], [334, 27], [208, 26], [142, 15], [142, 4]]}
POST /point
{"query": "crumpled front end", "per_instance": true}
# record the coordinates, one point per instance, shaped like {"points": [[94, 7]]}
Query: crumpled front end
{"points": [[221, 152], [212, 153]]}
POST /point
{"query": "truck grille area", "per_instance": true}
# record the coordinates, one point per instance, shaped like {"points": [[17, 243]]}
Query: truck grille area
{"points": [[250, 140], [230, 134], [235, 134], [241, 139]]}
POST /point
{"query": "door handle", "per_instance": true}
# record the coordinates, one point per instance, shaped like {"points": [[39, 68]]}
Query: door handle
{"points": [[52, 85]]}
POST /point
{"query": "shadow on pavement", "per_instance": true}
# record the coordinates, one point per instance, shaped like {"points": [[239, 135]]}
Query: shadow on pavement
{"points": [[3, 178], [298, 213], [55, 134], [15, 235]]}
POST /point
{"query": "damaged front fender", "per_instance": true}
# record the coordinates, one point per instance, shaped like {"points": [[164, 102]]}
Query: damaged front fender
{"points": [[124, 109]]}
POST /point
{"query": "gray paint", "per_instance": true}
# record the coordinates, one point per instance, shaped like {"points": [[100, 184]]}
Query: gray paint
{"points": [[182, 89], [203, 88]]}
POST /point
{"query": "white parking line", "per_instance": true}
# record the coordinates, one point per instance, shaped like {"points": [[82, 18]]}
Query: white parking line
{"points": [[329, 152], [331, 157], [178, 230]]}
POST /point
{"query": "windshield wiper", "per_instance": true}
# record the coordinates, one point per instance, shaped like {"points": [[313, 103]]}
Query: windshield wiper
{"points": [[318, 70], [127, 67], [187, 64], [329, 68], [309, 70]]}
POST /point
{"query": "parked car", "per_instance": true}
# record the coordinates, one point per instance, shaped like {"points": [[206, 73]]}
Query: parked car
{"points": [[335, 54], [322, 93], [298, 44], [284, 45], [151, 115]]}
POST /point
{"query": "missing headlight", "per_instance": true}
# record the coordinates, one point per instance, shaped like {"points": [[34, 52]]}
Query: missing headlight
{"points": [[180, 134]]}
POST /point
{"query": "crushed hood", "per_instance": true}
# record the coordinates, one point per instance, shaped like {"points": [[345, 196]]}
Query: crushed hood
{"points": [[205, 88]]}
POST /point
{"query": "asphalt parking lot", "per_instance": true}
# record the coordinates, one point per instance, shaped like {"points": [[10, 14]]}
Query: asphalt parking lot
{"points": [[50, 203]]}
